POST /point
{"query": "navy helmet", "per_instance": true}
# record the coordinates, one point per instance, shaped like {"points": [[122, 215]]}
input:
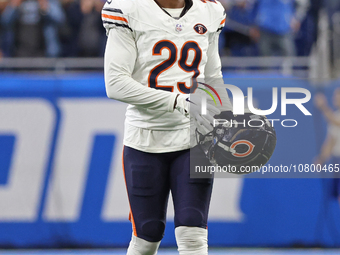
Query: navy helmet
{"points": [[239, 140]]}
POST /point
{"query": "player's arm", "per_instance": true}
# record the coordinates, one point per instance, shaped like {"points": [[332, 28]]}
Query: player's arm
{"points": [[320, 101], [301, 10], [213, 72], [120, 57], [330, 116]]}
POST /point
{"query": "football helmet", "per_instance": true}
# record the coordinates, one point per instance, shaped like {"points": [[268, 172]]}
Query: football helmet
{"points": [[242, 140]]}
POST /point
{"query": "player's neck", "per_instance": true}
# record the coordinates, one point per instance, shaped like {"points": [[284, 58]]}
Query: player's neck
{"points": [[171, 3]]}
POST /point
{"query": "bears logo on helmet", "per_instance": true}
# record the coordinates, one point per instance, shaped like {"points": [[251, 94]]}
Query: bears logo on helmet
{"points": [[243, 140]]}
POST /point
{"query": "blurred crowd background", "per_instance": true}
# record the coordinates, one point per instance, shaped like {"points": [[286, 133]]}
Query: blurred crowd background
{"points": [[51, 28], [72, 28]]}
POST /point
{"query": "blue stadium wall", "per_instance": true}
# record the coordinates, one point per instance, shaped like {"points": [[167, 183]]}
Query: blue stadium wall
{"points": [[61, 182]]}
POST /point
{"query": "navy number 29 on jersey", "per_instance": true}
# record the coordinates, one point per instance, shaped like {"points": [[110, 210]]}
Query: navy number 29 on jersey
{"points": [[165, 65]]}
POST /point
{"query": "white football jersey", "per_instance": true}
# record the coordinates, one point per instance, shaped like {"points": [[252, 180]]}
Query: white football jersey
{"points": [[171, 55]]}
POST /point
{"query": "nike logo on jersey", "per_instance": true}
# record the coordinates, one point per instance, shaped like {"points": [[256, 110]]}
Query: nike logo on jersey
{"points": [[188, 100]]}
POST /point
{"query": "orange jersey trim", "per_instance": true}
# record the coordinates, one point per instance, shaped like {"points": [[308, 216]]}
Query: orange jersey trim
{"points": [[222, 22], [114, 17]]}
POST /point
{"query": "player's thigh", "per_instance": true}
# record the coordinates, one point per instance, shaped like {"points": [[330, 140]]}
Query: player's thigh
{"points": [[146, 177], [191, 196]]}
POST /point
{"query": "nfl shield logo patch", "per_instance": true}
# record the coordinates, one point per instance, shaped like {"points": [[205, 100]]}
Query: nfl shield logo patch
{"points": [[178, 28], [200, 29]]}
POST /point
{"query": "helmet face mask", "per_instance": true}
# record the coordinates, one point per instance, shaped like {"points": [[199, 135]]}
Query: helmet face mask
{"points": [[243, 140]]}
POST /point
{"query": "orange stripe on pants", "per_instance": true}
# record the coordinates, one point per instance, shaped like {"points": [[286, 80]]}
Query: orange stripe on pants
{"points": [[130, 214]]}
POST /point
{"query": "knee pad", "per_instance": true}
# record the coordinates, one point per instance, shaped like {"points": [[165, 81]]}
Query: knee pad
{"points": [[190, 217], [139, 246], [192, 240], [152, 230]]}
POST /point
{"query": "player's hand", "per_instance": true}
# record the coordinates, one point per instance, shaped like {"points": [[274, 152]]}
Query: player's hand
{"points": [[295, 25], [190, 105], [254, 34]]}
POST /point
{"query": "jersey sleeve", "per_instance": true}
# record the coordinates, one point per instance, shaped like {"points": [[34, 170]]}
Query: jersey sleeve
{"points": [[222, 23], [213, 69], [119, 61], [116, 15], [222, 16], [213, 73]]}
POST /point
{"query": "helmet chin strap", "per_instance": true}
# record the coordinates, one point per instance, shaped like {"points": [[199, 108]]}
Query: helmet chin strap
{"points": [[226, 148], [208, 138]]}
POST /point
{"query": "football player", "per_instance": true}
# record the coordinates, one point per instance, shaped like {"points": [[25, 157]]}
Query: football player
{"points": [[330, 150], [156, 51]]}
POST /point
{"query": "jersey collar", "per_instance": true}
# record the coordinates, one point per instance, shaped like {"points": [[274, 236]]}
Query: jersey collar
{"points": [[188, 5]]}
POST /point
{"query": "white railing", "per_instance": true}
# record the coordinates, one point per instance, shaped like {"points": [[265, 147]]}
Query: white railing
{"points": [[298, 66], [51, 64]]}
